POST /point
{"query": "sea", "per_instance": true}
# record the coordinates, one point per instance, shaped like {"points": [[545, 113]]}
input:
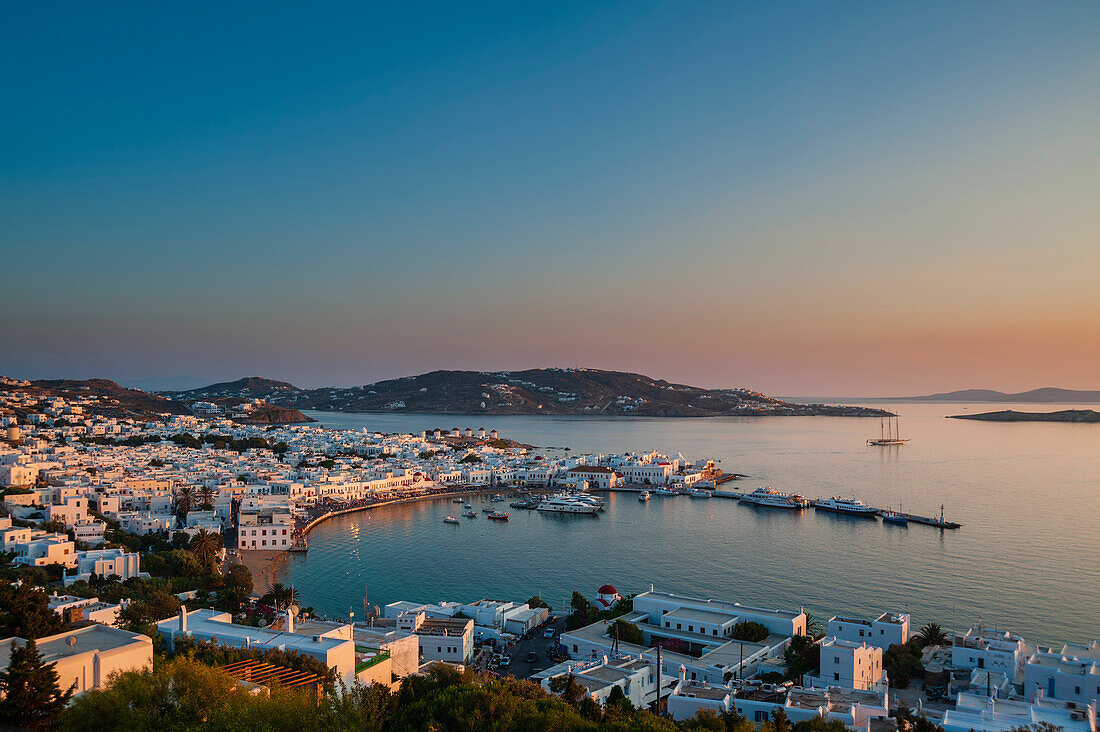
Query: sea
{"points": [[1027, 558]]}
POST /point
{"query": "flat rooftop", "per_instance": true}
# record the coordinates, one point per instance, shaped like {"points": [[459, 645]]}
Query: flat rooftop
{"points": [[89, 638], [206, 622], [706, 616], [735, 608]]}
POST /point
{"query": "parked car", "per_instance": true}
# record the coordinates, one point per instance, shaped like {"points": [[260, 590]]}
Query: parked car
{"points": [[549, 633], [505, 660]]}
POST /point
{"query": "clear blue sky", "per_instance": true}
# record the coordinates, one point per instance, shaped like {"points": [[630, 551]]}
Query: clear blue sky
{"points": [[829, 198]]}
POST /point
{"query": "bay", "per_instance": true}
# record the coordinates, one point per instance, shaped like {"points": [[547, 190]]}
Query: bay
{"points": [[1026, 559]]}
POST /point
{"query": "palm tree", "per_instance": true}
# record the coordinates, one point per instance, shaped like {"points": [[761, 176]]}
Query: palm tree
{"points": [[185, 498], [206, 498], [814, 628], [280, 596], [205, 546], [931, 635]]}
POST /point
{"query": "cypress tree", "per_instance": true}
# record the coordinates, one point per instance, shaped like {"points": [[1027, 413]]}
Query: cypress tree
{"points": [[32, 697]]}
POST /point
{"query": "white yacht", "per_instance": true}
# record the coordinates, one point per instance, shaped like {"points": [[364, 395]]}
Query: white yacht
{"points": [[768, 497], [567, 504], [849, 506]]}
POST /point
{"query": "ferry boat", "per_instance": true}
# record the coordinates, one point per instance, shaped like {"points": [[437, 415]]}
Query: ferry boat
{"points": [[848, 506], [567, 504], [699, 493], [470, 514], [450, 520], [643, 496], [499, 515], [768, 497], [890, 516]]}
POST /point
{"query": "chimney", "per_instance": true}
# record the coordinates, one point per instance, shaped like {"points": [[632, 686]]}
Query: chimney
{"points": [[183, 619], [683, 674], [290, 620]]}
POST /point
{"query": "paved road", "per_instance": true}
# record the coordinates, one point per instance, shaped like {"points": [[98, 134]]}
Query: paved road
{"points": [[519, 666]]}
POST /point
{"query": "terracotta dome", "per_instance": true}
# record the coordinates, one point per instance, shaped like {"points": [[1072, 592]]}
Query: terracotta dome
{"points": [[607, 590]]}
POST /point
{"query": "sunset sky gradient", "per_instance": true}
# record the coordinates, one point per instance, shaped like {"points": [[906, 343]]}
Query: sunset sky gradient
{"points": [[806, 198]]}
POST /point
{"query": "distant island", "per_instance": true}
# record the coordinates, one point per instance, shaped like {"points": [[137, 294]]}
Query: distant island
{"points": [[1007, 415], [554, 391], [1046, 394]]}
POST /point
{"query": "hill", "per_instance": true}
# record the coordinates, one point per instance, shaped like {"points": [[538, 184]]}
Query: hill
{"points": [[105, 398], [1045, 394], [250, 387], [1066, 415], [550, 391]]}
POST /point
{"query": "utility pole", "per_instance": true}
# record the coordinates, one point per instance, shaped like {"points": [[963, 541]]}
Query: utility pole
{"points": [[659, 684]]}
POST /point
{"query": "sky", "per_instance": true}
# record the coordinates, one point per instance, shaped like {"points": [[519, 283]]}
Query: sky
{"points": [[848, 198]]}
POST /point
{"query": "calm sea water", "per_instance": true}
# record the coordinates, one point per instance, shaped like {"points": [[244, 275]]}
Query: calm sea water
{"points": [[1026, 559]]}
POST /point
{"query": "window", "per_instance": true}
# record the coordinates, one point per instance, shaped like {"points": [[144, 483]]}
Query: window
{"points": [[836, 677]]}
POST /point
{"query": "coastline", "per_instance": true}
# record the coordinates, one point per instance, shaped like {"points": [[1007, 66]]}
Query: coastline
{"points": [[316, 521]]}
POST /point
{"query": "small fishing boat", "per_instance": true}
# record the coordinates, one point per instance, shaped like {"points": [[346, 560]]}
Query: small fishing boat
{"points": [[499, 515], [488, 509], [456, 500], [890, 516], [643, 496], [470, 514], [467, 506], [450, 520]]}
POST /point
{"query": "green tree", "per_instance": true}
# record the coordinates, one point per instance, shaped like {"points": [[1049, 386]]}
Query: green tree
{"points": [[814, 627], [156, 604], [536, 601], [280, 596], [32, 698], [206, 498], [749, 631], [185, 499], [803, 656], [931, 635], [903, 661], [626, 632], [205, 546], [25, 612], [183, 563]]}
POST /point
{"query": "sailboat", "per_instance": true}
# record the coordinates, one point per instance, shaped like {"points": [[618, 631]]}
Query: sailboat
{"points": [[889, 433]]}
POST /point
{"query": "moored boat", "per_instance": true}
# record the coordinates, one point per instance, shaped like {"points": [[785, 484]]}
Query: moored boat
{"points": [[890, 516], [643, 496], [470, 514], [768, 497], [567, 504], [450, 520], [847, 506], [499, 515]]}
